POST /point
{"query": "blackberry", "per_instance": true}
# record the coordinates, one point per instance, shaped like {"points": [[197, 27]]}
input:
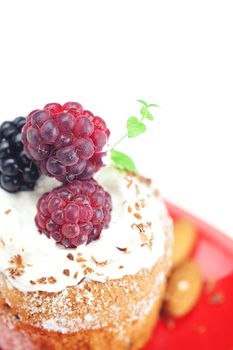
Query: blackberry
{"points": [[17, 172]]}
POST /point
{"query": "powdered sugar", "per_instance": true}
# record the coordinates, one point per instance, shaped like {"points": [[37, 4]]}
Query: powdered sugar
{"points": [[93, 321]]}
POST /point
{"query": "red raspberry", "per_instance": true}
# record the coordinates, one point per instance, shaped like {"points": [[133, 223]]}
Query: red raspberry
{"points": [[66, 141], [75, 213]]}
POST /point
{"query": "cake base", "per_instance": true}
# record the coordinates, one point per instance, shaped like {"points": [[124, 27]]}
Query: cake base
{"points": [[16, 335], [116, 315]]}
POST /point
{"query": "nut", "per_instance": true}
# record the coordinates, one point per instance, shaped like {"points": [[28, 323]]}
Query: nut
{"points": [[183, 290], [185, 236]]}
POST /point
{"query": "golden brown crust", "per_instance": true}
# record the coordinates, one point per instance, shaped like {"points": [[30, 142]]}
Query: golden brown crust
{"points": [[16, 335], [89, 305], [117, 314]]}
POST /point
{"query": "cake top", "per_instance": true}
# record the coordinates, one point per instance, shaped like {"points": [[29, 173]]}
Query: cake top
{"points": [[134, 239], [82, 220]]}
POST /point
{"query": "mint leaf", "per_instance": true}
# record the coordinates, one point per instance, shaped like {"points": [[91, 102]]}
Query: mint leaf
{"points": [[152, 105], [143, 102], [135, 127], [123, 161], [146, 114]]}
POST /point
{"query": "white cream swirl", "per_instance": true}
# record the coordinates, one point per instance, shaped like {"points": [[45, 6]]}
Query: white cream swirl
{"points": [[134, 240]]}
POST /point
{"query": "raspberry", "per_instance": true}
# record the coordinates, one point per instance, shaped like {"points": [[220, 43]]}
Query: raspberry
{"points": [[17, 172], [66, 142], [74, 213]]}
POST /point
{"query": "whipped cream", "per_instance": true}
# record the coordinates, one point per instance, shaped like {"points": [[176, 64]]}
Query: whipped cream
{"points": [[134, 240]]}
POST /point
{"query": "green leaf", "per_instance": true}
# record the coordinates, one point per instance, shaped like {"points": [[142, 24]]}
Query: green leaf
{"points": [[152, 105], [146, 114], [135, 127], [123, 161], [143, 102]]}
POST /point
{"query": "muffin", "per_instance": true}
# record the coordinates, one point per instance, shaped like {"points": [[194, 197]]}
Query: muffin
{"points": [[102, 293]]}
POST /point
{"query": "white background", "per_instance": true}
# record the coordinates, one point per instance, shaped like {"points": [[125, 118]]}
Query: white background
{"points": [[107, 54]]}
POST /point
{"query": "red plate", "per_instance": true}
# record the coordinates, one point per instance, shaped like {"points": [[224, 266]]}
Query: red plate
{"points": [[210, 325]]}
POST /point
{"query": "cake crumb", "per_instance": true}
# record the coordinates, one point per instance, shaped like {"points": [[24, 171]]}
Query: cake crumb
{"points": [[148, 244], [2, 242], [216, 298], [42, 280], [144, 180], [156, 193], [129, 183], [137, 216], [52, 280], [137, 206], [143, 204], [66, 272], [137, 189], [81, 280], [200, 329], [170, 323], [79, 260], [70, 256], [140, 227], [18, 261], [129, 180], [210, 285], [7, 212], [33, 283], [102, 263], [124, 250], [144, 238], [75, 275], [18, 270], [120, 267], [129, 209], [88, 270]]}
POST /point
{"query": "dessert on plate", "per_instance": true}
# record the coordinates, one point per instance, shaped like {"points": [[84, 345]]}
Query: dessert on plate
{"points": [[85, 249]]}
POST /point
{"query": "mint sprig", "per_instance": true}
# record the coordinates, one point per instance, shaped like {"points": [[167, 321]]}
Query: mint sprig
{"points": [[144, 103], [123, 161], [135, 127]]}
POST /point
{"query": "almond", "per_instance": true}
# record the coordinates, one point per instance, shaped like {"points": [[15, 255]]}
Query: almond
{"points": [[185, 236], [183, 290]]}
